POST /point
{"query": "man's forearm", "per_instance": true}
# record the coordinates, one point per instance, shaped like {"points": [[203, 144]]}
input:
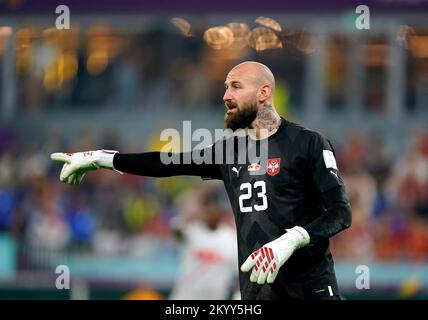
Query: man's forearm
{"points": [[337, 217], [150, 164]]}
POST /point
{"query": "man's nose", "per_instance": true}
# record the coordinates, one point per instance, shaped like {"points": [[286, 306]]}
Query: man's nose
{"points": [[227, 96]]}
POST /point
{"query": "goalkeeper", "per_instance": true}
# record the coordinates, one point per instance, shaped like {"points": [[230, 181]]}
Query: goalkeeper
{"points": [[284, 216]]}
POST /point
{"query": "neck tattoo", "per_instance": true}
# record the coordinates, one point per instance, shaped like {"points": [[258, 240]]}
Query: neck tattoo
{"points": [[268, 119]]}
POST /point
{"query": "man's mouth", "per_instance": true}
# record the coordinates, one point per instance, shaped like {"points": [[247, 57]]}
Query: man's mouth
{"points": [[231, 108]]}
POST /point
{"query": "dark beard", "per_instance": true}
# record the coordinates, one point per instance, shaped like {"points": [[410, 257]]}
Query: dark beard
{"points": [[242, 118]]}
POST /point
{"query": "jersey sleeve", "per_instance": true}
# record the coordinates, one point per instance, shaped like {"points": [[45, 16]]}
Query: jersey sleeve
{"points": [[326, 177], [153, 164], [322, 163], [215, 170]]}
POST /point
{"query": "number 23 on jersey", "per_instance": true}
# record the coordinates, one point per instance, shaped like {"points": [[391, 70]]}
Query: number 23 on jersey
{"points": [[258, 189]]}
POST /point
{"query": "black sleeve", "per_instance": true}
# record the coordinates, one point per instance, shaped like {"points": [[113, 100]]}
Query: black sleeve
{"points": [[327, 179], [322, 163], [151, 164], [336, 217]]}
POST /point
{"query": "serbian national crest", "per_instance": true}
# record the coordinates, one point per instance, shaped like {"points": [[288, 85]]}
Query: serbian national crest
{"points": [[273, 166]]}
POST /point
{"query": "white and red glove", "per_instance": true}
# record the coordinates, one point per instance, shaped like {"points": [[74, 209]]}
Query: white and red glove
{"points": [[77, 164], [267, 260]]}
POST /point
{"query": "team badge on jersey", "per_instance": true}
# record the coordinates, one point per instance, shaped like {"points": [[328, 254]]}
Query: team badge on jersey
{"points": [[273, 166]]}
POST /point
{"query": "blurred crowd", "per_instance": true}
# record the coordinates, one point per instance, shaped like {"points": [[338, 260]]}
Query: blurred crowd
{"points": [[389, 198], [388, 193], [105, 215], [101, 68]]}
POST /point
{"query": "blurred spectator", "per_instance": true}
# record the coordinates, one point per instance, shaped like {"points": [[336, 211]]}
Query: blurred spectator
{"points": [[208, 265], [128, 81]]}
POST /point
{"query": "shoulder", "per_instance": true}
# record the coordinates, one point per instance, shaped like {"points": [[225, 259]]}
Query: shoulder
{"points": [[302, 135], [307, 143]]}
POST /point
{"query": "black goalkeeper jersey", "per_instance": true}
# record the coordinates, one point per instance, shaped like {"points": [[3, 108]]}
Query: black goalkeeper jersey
{"points": [[299, 186], [300, 167]]}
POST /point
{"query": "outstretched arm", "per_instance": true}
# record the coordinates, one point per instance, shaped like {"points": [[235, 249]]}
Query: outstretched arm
{"points": [[150, 164], [76, 165]]}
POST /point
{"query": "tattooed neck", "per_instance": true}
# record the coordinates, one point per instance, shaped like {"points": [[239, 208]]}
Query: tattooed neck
{"points": [[267, 119]]}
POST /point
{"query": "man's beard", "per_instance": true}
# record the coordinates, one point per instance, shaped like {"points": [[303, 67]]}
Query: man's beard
{"points": [[243, 117]]}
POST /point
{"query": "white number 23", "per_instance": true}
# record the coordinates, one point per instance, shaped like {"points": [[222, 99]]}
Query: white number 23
{"points": [[248, 194]]}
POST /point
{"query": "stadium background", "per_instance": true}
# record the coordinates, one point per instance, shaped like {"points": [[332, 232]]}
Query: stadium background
{"points": [[127, 70]]}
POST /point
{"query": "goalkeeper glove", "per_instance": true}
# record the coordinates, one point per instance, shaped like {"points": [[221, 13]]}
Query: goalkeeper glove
{"points": [[77, 164], [267, 260]]}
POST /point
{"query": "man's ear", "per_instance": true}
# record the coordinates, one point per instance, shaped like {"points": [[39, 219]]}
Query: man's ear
{"points": [[264, 93]]}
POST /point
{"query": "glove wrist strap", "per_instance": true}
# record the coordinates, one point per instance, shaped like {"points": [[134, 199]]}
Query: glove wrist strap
{"points": [[299, 235], [105, 159]]}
